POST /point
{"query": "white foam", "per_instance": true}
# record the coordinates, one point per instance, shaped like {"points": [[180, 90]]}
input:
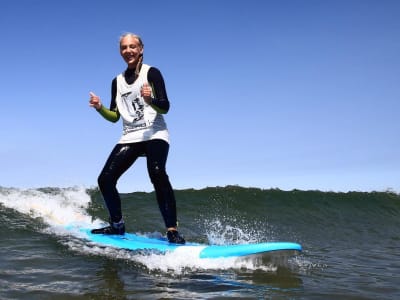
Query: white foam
{"points": [[187, 259], [57, 207], [222, 233]]}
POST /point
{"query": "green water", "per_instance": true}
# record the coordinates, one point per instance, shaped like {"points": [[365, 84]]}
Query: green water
{"points": [[351, 245]]}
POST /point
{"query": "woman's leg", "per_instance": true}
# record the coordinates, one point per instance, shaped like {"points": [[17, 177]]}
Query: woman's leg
{"points": [[157, 153], [120, 159]]}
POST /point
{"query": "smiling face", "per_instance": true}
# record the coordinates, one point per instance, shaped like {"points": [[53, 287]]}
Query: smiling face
{"points": [[131, 49]]}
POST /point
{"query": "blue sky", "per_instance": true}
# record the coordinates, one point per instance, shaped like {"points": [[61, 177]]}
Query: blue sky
{"points": [[270, 94]]}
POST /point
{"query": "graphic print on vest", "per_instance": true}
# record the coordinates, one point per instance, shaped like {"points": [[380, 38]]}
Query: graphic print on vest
{"points": [[134, 105]]}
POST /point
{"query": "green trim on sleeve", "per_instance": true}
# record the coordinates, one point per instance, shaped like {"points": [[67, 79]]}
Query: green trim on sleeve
{"points": [[109, 115]]}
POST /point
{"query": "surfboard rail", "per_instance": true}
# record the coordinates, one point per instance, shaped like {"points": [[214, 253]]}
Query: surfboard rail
{"points": [[214, 251], [130, 241]]}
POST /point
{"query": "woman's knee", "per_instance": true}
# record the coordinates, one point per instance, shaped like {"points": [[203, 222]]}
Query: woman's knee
{"points": [[105, 180], [157, 174]]}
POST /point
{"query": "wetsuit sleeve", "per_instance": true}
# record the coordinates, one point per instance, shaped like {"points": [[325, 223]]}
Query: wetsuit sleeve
{"points": [[160, 101], [111, 114]]}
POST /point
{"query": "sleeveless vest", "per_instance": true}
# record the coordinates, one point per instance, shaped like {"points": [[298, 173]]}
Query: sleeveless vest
{"points": [[140, 121]]}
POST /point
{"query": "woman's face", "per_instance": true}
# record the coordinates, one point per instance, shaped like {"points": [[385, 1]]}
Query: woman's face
{"points": [[130, 50]]}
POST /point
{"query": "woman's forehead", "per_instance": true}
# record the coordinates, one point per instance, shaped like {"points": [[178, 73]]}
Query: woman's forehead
{"points": [[128, 40]]}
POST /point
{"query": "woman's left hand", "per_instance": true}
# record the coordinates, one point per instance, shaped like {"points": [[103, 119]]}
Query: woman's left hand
{"points": [[145, 92]]}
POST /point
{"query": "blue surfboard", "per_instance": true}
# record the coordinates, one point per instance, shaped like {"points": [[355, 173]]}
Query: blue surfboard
{"points": [[130, 241]]}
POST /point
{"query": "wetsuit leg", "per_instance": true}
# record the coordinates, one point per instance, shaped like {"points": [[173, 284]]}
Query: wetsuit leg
{"points": [[120, 159], [157, 153]]}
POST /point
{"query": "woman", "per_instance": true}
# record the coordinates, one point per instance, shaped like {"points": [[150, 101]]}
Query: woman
{"points": [[140, 98]]}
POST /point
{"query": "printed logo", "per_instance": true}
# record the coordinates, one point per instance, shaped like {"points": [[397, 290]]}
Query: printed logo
{"points": [[134, 106]]}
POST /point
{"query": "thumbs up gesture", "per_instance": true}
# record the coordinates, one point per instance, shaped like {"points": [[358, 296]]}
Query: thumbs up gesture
{"points": [[94, 101], [145, 92]]}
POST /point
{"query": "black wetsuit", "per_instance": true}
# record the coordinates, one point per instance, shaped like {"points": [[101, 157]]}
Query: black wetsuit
{"points": [[124, 155]]}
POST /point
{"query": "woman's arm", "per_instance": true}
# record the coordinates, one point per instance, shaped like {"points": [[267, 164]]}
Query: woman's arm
{"points": [[111, 114], [160, 102]]}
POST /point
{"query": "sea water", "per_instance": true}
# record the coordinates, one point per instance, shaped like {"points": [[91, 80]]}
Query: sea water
{"points": [[350, 242]]}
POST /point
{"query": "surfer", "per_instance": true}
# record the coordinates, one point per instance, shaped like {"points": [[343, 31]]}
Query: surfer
{"points": [[140, 98]]}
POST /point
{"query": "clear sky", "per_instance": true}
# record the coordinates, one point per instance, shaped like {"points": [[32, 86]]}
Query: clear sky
{"points": [[285, 94]]}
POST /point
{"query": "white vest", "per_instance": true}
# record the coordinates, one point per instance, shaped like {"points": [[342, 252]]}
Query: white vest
{"points": [[140, 121]]}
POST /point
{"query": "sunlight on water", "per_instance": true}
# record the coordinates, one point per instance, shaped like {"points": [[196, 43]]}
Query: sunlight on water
{"points": [[64, 211]]}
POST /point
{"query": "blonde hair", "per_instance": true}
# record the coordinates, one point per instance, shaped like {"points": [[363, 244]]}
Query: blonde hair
{"points": [[140, 62]]}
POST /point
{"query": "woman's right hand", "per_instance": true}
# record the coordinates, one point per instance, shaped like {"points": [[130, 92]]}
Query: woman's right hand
{"points": [[94, 101]]}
